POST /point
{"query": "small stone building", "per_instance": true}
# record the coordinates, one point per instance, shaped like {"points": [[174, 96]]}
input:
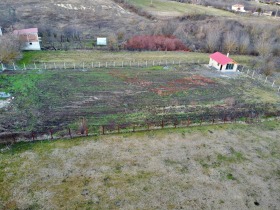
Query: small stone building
{"points": [[222, 62]]}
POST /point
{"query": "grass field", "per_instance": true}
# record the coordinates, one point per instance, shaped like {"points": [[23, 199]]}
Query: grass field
{"points": [[103, 56], [211, 167], [59, 98], [163, 8]]}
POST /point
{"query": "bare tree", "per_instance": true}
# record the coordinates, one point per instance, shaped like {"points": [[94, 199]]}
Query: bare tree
{"points": [[230, 41], [9, 48], [244, 43], [264, 44], [213, 39]]}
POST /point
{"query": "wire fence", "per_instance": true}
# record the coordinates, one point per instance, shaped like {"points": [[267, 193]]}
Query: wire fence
{"points": [[254, 74], [238, 117]]}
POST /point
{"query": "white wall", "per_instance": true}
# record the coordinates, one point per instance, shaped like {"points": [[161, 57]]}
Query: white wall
{"points": [[31, 46], [216, 65]]}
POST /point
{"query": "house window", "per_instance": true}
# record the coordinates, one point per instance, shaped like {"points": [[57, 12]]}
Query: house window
{"points": [[229, 66]]}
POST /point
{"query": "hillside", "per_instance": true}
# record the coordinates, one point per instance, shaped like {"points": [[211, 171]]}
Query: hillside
{"points": [[214, 167], [84, 15]]}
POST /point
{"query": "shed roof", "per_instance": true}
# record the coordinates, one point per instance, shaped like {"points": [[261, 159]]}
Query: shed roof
{"points": [[221, 58], [26, 31]]}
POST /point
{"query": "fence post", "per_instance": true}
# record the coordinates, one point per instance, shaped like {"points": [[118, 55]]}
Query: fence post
{"points": [[33, 136], [162, 124], [51, 132], [103, 129], [273, 84], [70, 134], [15, 66]]}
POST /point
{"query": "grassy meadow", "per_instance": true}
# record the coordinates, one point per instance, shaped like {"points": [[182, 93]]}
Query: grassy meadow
{"points": [[209, 167]]}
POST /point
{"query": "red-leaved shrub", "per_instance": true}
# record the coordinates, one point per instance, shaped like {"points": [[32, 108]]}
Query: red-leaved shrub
{"points": [[161, 43]]}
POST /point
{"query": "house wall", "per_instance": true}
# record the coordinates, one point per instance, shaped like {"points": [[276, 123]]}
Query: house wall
{"points": [[31, 46], [217, 66], [30, 41]]}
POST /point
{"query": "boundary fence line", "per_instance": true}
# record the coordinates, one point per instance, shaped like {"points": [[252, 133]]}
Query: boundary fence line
{"points": [[68, 133], [254, 74]]}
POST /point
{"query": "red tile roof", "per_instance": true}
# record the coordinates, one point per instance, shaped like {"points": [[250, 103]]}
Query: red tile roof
{"points": [[221, 58], [26, 31]]}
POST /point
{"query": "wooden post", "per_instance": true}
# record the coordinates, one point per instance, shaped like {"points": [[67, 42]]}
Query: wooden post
{"points": [[69, 131], [51, 132], [162, 124], [33, 136]]}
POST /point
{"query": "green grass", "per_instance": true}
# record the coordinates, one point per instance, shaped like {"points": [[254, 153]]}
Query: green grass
{"points": [[104, 56], [112, 172], [172, 8]]}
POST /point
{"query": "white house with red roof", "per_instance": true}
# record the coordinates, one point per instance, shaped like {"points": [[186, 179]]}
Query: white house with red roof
{"points": [[222, 62], [238, 8], [29, 38]]}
